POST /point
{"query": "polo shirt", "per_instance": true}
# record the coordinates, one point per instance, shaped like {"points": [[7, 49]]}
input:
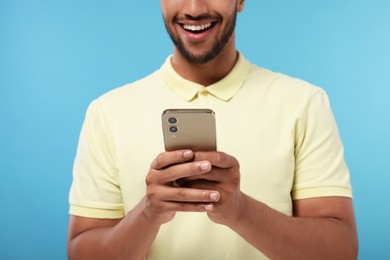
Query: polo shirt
{"points": [[281, 130]]}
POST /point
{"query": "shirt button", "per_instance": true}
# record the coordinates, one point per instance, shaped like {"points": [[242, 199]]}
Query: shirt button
{"points": [[203, 92]]}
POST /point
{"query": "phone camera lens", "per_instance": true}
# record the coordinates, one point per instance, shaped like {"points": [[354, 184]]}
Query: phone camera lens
{"points": [[172, 120], [173, 129]]}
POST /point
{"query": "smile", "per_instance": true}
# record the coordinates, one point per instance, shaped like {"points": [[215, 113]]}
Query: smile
{"points": [[197, 28]]}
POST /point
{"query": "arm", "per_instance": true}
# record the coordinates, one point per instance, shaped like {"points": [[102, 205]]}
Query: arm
{"points": [[132, 236], [321, 228], [90, 238]]}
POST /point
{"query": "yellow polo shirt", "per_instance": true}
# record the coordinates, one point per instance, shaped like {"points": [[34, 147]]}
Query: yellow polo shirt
{"points": [[280, 129]]}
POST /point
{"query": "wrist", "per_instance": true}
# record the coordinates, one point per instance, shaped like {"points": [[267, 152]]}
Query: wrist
{"points": [[242, 212], [151, 216]]}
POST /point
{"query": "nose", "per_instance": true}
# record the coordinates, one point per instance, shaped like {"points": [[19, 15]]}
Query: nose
{"points": [[195, 8]]}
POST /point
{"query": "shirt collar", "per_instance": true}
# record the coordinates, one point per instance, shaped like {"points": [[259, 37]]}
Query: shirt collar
{"points": [[224, 89]]}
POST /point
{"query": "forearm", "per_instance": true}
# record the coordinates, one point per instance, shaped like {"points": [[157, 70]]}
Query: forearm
{"points": [[284, 237], [131, 238]]}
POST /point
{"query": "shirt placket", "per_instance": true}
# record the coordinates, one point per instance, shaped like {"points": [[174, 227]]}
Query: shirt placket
{"points": [[202, 98]]}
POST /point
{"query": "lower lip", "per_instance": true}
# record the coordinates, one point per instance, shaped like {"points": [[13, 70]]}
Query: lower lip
{"points": [[197, 37]]}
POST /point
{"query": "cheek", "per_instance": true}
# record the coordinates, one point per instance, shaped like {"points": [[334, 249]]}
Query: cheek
{"points": [[240, 5], [224, 7], [167, 8]]}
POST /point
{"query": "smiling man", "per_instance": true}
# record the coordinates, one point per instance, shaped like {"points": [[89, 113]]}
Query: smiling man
{"points": [[201, 38], [277, 187]]}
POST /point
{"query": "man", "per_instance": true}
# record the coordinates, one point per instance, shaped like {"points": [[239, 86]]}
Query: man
{"points": [[280, 188]]}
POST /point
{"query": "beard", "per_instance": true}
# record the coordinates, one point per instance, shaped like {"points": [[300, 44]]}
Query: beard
{"points": [[215, 49]]}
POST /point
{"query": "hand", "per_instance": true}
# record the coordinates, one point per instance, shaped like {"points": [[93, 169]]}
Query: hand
{"points": [[224, 177], [164, 197]]}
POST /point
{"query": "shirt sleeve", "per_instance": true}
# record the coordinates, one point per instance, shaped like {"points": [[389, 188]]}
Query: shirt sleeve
{"points": [[320, 168], [95, 191]]}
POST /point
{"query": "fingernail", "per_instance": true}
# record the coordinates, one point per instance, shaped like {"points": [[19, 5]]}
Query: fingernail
{"points": [[205, 166], [209, 207], [214, 196], [187, 154]]}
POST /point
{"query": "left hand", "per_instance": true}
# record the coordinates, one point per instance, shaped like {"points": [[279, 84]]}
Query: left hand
{"points": [[224, 177]]}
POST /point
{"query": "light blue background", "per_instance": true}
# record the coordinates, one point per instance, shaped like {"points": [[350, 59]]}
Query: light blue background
{"points": [[56, 56]]}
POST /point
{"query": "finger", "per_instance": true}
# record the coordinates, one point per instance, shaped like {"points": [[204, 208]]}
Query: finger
{"points": [[189, 207], [214, 175], [169, 158], [217, 159], [211, 178], [189, 195], [200, 184], [177, 171], [183, 170]]}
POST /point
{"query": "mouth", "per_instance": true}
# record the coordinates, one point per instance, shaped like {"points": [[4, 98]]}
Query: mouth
{"points": [[197, 29]]}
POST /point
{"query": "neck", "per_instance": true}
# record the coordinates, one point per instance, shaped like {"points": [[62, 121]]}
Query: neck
{"points": [[208, 73]]}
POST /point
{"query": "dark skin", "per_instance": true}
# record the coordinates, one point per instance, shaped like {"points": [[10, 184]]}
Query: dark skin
{"points": [[210, 181], [277, 235]]}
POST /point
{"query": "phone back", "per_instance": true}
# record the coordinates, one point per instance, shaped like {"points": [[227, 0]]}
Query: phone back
{"points": [[189, 129]]}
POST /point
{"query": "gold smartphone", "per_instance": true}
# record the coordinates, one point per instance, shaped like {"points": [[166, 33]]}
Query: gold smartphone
{"points": [[192, 129]]}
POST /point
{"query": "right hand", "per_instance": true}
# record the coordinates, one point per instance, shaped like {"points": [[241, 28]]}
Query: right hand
{"points": [[163, 198]]}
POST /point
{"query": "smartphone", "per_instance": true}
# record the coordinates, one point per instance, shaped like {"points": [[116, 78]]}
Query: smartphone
{"points": [[192, 129]]}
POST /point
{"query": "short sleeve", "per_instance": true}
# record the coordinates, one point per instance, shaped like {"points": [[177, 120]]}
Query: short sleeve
{"points": [[95, 191], [320, 168]]}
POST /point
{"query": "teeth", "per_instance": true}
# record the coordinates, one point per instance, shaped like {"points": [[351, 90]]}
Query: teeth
{"points": [[196, 28]]}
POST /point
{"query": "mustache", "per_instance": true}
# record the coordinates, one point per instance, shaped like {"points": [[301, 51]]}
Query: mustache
{"points": [[188, 17]]}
